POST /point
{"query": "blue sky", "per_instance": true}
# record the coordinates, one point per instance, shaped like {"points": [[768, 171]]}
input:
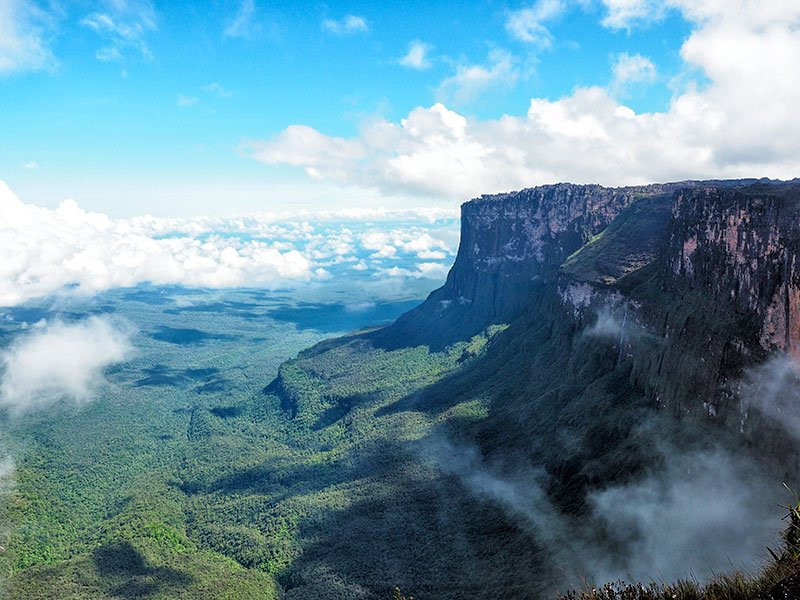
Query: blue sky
{"points": [[143, 107], [384, 115]]}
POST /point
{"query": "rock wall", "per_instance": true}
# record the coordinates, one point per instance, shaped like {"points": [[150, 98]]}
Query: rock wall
{"points": [[510, 245], [742, 246]]}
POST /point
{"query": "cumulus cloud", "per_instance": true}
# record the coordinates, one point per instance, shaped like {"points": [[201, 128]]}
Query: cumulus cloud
{"points": [[630, 69], [48, 250], [24, 30], [417, 56], [69, 250], [123, 24], [60, 361], [527, 24], [347, 25], [624, 14], [719, 126]]}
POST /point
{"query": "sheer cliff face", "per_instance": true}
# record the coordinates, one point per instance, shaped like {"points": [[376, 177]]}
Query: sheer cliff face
{"points": [[743, 246], [512, 244]]}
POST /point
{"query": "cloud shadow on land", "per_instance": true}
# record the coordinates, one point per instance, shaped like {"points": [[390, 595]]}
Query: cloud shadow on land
{"points": [[187, 336], [119, 563]]}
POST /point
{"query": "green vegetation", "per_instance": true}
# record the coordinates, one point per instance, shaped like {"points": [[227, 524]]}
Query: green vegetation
{"points": [[224, 462], [628, 244], [315, 484]]}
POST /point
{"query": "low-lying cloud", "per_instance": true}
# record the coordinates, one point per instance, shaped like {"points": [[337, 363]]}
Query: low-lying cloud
{"points": [[696, 514], [48, 251], [59, 361], [772, 389], [702, 513]]}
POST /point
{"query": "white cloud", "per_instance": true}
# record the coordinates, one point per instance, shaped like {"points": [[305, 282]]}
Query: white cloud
{"points": [[69, 250], [60, 361], [470, 81], [24, 30], [50, 249], [347, 25], [527, 24], [417, 56], [123, 24], [631, 69], [718, 127], [661, 525], [30, 165], [217, 89], [624, 14], [184, 101]]}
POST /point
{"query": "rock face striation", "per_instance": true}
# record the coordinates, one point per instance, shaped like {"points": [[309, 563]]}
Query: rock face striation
{"points": [[742, 246], [511, 244]]}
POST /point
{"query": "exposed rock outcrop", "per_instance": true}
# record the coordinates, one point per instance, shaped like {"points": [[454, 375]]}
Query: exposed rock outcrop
{"points": [[510, 245], [742, 246]]}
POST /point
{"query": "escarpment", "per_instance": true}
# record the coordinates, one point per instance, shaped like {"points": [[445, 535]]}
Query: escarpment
{"points": [[582, 336], [742, 246], [511, 244], [687, 285]]}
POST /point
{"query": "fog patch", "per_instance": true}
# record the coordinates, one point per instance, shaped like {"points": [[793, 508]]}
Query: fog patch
{"points": [[701, 513], [608, 325], [59, 361], [696, 514], [357, 307], [773, 389], [519, 492]]}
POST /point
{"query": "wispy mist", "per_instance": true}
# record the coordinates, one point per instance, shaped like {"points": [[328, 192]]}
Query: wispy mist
{"points": [[773, 390], [701, 513], [60, 361], [698, 513], [608, 325]]}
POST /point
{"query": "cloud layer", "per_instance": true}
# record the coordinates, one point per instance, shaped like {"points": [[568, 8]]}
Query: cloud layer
{"points": [[732, 116], [60, 361], [23, 37], [68, 248]]}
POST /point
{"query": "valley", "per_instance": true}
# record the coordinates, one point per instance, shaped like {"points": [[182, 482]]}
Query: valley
{"points": [[585, 399]]}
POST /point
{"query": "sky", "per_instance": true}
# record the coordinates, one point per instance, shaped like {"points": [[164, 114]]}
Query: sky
{"points": [[117, 109]]}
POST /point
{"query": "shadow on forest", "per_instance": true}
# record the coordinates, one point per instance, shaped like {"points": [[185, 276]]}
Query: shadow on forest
{"points": [[187, 336], [420, 530], [120, 561]]}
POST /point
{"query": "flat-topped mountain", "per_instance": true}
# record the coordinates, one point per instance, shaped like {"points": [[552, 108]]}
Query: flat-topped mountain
{"points": [[513, 243], [604, 387], [578, 325]]}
